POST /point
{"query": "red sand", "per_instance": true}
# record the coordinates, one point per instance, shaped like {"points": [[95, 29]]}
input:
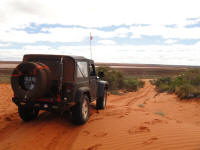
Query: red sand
{"points": [[138, 120]]}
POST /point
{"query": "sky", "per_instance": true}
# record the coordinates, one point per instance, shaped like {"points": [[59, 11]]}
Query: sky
{"points": [[124, 31]]}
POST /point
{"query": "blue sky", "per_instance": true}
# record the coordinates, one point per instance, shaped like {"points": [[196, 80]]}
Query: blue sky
{"points": [[127, 31]]}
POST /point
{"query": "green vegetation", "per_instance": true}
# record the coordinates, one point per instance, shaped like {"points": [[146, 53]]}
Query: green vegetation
{"points": [[118, 81], [160, 113], [5, 74], [115, 92], [186, 85], [141, 105], [4, 79]]}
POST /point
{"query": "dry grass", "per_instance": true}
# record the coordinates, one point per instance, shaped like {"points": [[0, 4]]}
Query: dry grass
{"points": [[4, 79], [185, 85]]}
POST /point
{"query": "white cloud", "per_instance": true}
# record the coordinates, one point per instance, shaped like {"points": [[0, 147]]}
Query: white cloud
{"points": [[106, 42], [165, 32], [170, 41], [36, 48], [94, 13], [58, 34], [73, 34], [153, 54], [55, 35], [4, 44]]}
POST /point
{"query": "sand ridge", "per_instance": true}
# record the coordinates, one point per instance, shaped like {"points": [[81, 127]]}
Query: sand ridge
{"points": [[139, 120]]}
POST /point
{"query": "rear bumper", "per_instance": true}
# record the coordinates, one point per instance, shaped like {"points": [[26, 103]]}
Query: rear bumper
{"points": [[43, 104]]}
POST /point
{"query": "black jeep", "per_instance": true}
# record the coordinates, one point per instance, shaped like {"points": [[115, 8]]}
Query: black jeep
{"points": [[57, 83]]}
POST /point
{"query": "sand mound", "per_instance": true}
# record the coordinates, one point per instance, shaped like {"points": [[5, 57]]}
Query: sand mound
{"points": [[137, 120]]}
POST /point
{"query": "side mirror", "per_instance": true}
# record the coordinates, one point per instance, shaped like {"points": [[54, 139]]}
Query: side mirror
{"points": [[101, 75]]}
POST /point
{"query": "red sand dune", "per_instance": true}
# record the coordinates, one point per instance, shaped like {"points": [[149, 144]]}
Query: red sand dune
{"points": [[136, 120]]}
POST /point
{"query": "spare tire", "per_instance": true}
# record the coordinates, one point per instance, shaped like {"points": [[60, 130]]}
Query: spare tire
{"points": [[48, 76], [29, 80]]}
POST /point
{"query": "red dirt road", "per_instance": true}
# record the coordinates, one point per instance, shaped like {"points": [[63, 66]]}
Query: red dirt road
{"points": [[137, 120]]}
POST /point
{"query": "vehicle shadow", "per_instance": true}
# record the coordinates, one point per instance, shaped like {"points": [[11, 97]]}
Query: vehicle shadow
{"points": [[64, 118]]}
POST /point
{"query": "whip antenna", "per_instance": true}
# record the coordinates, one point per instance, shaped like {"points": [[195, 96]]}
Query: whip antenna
{"points": [[91, 38]]}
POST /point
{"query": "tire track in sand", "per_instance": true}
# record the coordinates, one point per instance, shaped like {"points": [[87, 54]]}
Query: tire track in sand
{"points": [[137, 130], [131, 97], [50, 132], [106, 131]]}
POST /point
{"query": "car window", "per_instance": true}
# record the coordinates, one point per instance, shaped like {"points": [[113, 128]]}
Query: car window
{"points": [[82, 69], [92, 70]]}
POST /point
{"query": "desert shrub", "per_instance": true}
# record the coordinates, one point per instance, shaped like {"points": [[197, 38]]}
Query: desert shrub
{"points": [[164, 84], [115, 92], [117, 80], [184, 91], [163, 87], [160, 113], [141, 83], [185, 85], [131, 84], [153, 82], [4, 79]]}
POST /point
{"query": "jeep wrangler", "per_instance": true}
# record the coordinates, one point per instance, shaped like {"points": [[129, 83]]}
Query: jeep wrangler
{"points": [[57, 83]]}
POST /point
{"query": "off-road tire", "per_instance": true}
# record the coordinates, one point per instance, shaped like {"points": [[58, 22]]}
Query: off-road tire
{"points": [[101, 101], [48, 76], [40, 86], [27, 113], [81, 111]]}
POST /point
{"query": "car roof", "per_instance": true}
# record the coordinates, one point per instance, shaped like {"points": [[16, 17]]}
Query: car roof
{"points": [[56, 56]]}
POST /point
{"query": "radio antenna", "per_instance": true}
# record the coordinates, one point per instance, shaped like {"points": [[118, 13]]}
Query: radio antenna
{"points": [[91, 38]]}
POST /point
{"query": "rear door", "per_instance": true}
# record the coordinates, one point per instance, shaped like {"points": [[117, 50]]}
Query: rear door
{"points": [[92, 79]]}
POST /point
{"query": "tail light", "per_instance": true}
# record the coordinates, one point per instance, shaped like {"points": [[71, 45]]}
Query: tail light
{"points": [[68, 88]]}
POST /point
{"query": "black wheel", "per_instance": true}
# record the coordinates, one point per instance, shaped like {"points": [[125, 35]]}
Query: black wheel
{"points": [[81, 111], [27, 113], [29, 80], [101, 101]]}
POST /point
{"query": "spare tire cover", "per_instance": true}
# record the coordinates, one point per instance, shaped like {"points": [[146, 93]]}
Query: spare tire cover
{"points": [[29, 80], [48, 76]]}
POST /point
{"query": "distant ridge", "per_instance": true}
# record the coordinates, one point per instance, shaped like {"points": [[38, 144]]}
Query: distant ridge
{"points": [[121, 64], [10, 62], [144, 65]]}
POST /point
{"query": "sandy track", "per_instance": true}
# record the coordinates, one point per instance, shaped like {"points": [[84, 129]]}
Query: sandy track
{"points": [[137, 120]]}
